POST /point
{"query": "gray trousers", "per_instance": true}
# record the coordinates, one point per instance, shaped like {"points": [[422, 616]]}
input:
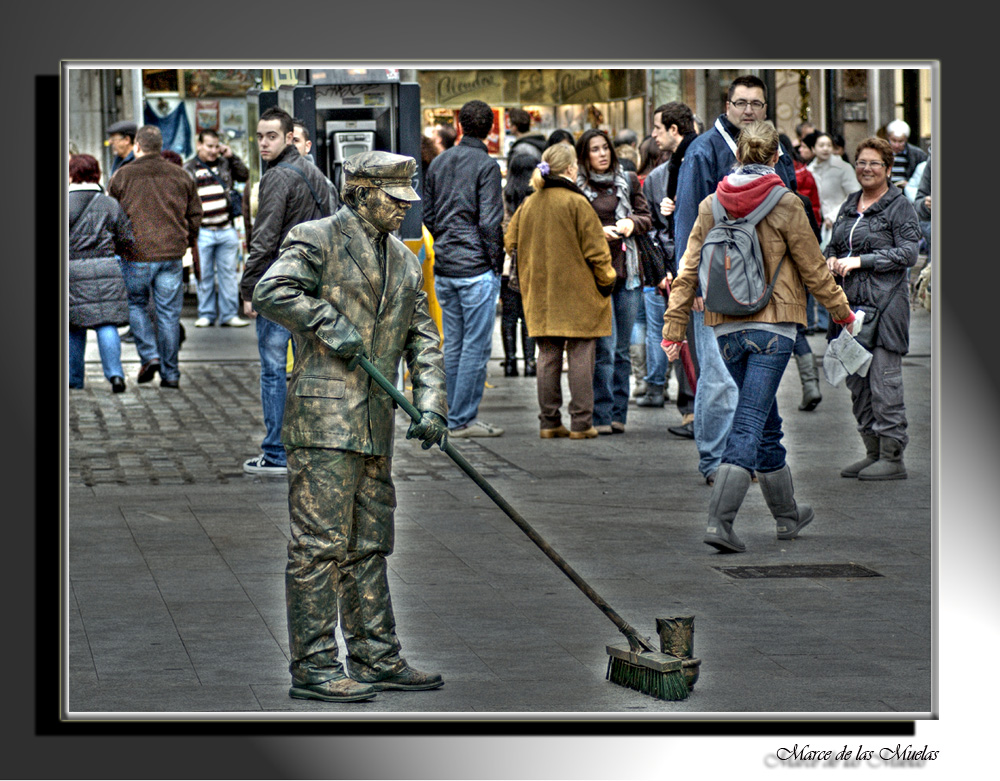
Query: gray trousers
{"points": [[878, 397], [580, 354], [341, 508]]}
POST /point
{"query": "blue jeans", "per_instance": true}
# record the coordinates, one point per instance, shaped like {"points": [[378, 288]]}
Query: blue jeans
{"points": [[218, 290], [612, 364], [163, 281], [757, 360], [656, 359], [801, 343], [714, 400], [468, 316], [108, 343], [816, 314], [272, 345]]}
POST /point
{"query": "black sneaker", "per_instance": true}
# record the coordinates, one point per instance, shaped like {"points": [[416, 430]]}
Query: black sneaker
{"points": [[261, 466]]}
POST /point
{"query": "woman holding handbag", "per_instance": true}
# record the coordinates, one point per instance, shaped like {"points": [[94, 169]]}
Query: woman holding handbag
{"points": [[874, 244], [617, 198]]}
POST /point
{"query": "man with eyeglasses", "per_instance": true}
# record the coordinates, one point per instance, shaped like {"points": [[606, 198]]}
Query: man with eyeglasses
{"points": [[709, 158]]}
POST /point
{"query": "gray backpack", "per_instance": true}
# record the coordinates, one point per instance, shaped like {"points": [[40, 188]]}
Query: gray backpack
{"points": [[731, 273]]}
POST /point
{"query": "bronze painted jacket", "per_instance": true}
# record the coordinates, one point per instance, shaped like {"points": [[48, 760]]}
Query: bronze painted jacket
{"points": [[324, 283]]}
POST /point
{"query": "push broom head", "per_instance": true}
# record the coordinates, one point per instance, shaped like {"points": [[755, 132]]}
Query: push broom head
{"points": [[658, 675]]}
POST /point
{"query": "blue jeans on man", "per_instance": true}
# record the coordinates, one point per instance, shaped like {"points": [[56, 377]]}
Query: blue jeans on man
{"points": [[468, 316], [218, 289], [163, 280], [272, 345], [612, 364], [108, 343], [714, 400], [756, 359], [656, 359]]}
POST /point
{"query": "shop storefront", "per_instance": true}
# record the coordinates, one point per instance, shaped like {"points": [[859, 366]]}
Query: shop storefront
{"points": [[573, 99]]}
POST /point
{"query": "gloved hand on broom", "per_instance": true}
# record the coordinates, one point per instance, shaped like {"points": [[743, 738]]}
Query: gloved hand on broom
{"points": [[429, 429]]}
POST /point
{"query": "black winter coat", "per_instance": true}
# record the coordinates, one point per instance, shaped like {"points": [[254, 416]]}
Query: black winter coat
{"points": [[885, 237], [100, 230], [463, 210], [284, 201]]}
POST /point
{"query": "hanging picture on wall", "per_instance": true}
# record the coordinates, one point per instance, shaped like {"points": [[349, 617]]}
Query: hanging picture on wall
{"points": [[218, 83], [206, 115]]}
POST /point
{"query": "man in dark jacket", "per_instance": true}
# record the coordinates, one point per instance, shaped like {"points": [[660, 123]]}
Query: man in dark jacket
{"points": [[292, 191], [709, 158], [906, 156], [525, 142], [463, 210], [121, 139], [215, 168], [673, 132], [162, 203]]}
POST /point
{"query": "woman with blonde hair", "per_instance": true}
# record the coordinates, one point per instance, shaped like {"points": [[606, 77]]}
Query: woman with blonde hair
{"points": [[756, 348], [565, 275]]}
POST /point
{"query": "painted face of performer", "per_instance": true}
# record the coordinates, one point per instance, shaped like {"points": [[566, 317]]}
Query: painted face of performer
{"points": [[383, 211]]}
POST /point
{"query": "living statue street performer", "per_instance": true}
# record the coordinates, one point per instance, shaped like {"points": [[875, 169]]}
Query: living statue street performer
{"points": [[344, 286]]}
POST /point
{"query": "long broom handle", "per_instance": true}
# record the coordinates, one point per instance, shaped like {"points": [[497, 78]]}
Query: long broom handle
{"points": [[637, 642]]}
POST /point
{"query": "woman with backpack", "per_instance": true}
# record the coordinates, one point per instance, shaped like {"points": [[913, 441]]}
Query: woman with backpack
{"points": [[756, 347]]}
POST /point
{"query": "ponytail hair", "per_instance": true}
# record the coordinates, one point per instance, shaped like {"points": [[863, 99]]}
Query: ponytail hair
{"points": [[559, 158], [757, 143]]}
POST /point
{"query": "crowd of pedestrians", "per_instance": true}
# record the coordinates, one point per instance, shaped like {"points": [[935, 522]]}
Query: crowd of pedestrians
{"points": [[564, 239]]}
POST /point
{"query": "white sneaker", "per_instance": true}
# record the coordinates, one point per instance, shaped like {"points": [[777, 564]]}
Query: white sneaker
{"points": [[476, 429], [202, 322], [236, 322]]}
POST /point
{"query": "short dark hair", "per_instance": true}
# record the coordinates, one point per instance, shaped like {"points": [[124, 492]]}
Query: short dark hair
{"points": [[203, 133], [583, 153], [446, 135], [558, 136], [747, 81], [520, 119], [150, 139], [811, 138], [172, 156], [476, 119], [296, 122], [626, 136], [282, 116], [84, 169], [676, 113]]}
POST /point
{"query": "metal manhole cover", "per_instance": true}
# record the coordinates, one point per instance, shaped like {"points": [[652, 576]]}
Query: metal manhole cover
{"points": [[800, 571]]}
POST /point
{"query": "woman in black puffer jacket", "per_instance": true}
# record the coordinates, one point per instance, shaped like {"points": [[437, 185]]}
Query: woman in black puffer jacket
{"points": [[98, 230]]}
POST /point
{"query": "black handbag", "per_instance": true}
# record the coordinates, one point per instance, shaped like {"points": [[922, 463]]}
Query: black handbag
{"points": [[652, 259], [869, 327]]}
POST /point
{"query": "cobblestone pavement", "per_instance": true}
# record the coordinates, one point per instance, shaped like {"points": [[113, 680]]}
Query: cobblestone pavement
{"points": [[204, 432]]}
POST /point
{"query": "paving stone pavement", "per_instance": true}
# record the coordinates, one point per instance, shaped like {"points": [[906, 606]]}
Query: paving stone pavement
{"points": [[176, 559]]}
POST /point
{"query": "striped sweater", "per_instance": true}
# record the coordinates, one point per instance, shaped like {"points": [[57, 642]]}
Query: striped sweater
{"points": [[214, 201]]}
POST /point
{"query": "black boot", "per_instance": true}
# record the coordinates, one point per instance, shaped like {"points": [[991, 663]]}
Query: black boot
{"points": [[508, 334], [528, 346], [510, 367]]}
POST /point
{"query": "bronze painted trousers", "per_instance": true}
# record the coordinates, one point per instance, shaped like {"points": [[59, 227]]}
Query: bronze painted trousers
{"points": [[341, 508]]}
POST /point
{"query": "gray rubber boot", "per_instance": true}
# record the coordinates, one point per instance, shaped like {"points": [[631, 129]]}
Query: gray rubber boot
{"points": [[728, 491], [653, 397], [871, 456], [809, 376], [890, 462], [637, 353], [780, 497]]}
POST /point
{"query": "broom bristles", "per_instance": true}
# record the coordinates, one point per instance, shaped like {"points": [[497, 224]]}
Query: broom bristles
{"points": [[658, 675]]}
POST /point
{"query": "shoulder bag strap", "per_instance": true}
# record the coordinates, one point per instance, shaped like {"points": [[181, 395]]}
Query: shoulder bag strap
{"points": [[305, 179], [85, 210]]}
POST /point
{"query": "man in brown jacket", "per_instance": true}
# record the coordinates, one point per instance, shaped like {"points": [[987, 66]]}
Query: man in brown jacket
{"points": [[162, 203]]}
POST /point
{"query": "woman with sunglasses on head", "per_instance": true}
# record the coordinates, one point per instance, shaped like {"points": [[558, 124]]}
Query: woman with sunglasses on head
{"points": [[617, 198], [874, 243]]}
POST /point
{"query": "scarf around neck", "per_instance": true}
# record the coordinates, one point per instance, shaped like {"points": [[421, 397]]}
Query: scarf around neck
{"points": [[623, 193]]}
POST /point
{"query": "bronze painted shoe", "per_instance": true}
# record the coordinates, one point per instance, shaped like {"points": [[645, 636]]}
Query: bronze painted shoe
{"points": [[553, 433], [342, 690], [409, 679], [588, 433]]}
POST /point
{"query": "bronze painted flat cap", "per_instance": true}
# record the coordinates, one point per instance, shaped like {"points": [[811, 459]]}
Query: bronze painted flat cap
{"points": [[391, 173]]}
